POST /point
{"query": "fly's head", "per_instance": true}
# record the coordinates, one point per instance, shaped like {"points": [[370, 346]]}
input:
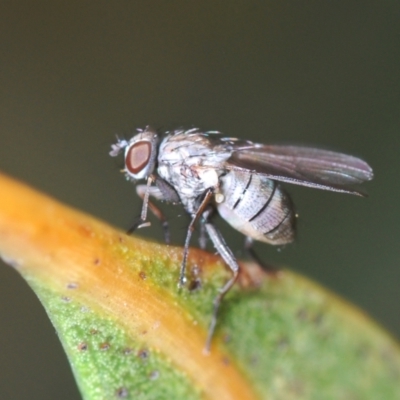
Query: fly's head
{"points": [[140, 154]]}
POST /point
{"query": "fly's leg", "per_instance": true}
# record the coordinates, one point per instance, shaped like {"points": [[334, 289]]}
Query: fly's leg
{"points": [[195, 217], [202, 235], [143, 215], [227, 255], [138, 223], [163, 220], [248, 245], [144, 192]]}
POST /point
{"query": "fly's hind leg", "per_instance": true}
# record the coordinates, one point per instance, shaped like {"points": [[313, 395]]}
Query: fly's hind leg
{"points": [[202, 235], [268, 268], [227, 255]]}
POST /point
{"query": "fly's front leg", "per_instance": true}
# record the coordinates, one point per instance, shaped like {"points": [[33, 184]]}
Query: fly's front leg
{"points": [[227, 255], [189, 233], [143, 215], [144, 192]]}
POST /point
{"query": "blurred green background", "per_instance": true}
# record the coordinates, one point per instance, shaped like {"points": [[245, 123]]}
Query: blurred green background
{"points": [[74, 74]]}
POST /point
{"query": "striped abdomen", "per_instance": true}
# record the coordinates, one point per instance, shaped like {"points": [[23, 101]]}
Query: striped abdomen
{"points": [[257, 207]]}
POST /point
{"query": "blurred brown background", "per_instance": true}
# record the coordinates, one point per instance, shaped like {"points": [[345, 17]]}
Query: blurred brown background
{"points": [[73, 74]]}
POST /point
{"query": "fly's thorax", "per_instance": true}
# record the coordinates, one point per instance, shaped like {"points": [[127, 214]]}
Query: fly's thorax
{"points": [[257, 207], [191, 165], [192, 149]]}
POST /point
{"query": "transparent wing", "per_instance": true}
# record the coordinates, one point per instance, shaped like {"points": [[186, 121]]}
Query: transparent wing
{"points": [[304, 166]]}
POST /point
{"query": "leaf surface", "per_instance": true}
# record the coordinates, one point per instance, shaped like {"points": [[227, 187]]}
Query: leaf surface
{"points": [[129, 333]]}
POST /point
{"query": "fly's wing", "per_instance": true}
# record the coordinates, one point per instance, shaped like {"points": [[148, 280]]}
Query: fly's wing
{"points": [[304, 166]]}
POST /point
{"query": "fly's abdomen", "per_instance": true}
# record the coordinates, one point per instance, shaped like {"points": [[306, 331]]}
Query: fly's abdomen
{"points": [[257, 207]]}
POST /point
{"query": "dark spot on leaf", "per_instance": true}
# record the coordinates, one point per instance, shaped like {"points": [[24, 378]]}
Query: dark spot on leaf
{"points": [[143, 354], [195, 278], [85, 231], [82, 346], [142, 275], [66, 299], [72, 285], [122, 393], [96, 261], [127, 351], [194, 284], [154, 375], [104, 346]]}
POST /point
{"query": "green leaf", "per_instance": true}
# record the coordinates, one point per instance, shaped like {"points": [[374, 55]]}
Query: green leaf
{"points": [[129, 333]]}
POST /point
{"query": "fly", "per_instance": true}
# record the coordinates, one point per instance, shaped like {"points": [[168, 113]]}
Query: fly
{"points": [[238, 179]]}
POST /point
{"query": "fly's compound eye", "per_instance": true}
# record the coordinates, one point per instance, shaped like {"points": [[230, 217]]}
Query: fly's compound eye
{"points": [[137, 157], [140, 155]]}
